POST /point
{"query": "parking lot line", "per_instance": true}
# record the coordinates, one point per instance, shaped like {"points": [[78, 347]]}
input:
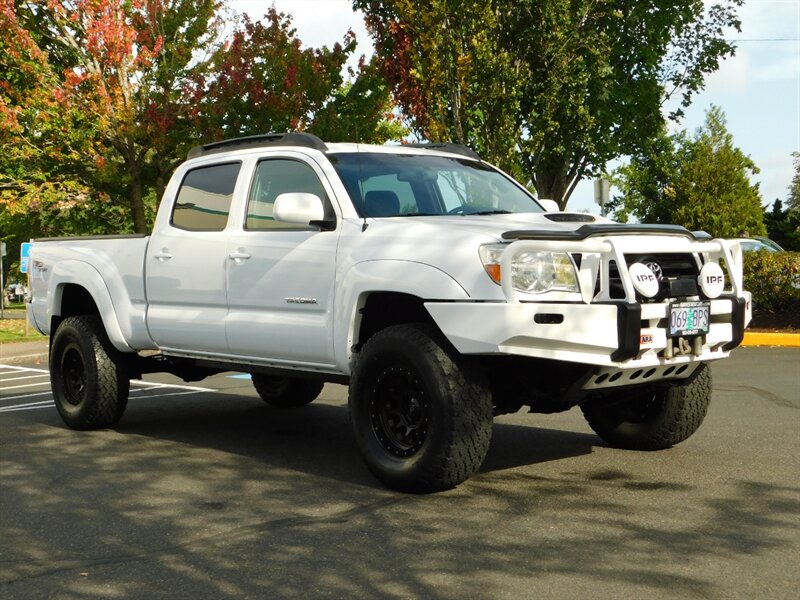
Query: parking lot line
{"points": [[4, 379], [10, 373], [27, 369], [30, 405], [27, 385], [28, 396]]}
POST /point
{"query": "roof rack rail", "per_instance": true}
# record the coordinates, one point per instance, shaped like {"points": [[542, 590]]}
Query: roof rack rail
{"points": [[291, 138], [448, 147]]}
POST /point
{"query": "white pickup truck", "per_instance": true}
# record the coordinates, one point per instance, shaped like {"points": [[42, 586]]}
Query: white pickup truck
{"points": [[431, 283]]}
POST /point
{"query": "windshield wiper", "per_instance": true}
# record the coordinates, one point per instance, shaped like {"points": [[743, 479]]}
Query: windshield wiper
{"points": [[496, 211]]}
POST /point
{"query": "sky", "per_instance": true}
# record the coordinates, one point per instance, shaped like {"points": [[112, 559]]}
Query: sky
{"points": [[758, 89]]}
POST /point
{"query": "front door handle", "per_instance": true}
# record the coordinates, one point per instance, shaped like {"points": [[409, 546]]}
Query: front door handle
{"points": [[239, 256], [163, 255]]}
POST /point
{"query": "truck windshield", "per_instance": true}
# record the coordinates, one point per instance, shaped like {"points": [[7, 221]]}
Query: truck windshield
{"points": [[391, 185]]}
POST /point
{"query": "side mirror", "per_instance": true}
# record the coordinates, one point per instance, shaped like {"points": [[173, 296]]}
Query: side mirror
{"points": [[299, 208], [549, 205]]}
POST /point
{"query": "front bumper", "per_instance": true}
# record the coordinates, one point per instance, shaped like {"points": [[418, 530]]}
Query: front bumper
{"points": [[625, 338], [607, 335]]}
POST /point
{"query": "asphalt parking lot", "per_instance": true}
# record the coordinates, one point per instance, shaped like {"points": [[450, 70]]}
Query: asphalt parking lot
{"points": [[203, 491]]}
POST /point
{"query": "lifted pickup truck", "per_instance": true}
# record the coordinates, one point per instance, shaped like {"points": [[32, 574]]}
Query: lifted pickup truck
{"points": [[431, 283]]}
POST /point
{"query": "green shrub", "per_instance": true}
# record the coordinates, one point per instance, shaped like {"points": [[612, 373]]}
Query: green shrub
{"points": [[774, 280]]}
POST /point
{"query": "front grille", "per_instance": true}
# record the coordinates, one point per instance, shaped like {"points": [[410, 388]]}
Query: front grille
{"points": [[678, 277]]}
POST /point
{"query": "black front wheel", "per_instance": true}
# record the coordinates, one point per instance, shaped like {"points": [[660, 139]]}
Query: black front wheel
{"points": [[87, 374], [422, 420], [651, 417]]}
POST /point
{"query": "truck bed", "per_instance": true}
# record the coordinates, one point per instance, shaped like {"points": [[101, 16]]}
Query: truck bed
{"points": [[111, 267]]}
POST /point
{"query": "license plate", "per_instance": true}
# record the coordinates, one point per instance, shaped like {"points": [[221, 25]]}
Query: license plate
{"points": [[689, 318]]}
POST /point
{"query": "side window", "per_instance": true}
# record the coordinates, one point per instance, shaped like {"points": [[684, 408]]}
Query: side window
{"points": [[274, 177], [204, 199]]}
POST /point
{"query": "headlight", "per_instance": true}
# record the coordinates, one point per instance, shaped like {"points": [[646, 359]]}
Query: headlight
{"points": [[537, 272], [533, 272]]}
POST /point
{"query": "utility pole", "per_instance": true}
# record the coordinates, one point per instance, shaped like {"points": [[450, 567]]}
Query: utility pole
{"points": [[601, 187], [3, 252]]}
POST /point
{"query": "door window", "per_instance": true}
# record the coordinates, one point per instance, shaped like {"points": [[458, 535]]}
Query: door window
{"points": [[204, 198], [273, 178]]}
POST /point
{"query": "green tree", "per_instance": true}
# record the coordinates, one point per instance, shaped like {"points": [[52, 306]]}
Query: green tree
{"points": [[361, 110], [793, 201], [450, 73], [712, 191], [549, 89], [783, 226], [644, 181], [700, 182]]}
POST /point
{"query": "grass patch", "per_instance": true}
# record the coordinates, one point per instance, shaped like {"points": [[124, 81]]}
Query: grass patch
{"points": [[13, 330]]}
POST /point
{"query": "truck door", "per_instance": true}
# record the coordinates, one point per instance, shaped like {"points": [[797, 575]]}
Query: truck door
{"points": [[185, 264], [281, 276]]}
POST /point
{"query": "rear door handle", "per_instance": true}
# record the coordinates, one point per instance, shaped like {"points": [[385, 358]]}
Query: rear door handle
{"points": [[163, 255]]}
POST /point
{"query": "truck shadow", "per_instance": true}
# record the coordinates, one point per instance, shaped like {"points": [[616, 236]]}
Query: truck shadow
{"points": [[317, 438]]}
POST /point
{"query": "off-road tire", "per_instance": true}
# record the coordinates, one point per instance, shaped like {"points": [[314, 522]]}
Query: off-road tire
{"points": [[652, 418], [422, 420], [286, 392], [87, 374]]}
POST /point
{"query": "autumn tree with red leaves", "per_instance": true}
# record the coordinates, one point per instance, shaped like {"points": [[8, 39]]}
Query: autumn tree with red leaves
{"points": [[266, 80], [113, 79], [101, 99]]}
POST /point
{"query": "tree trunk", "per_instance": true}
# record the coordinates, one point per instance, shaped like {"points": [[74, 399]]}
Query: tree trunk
{"points": [[137, 202], [551, 184]]}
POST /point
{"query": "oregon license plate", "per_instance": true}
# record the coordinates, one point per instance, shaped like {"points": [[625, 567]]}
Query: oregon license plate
{"points": [[689, 318]]}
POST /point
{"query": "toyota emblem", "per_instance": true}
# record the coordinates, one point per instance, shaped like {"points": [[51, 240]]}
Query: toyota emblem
{"points": [[656, 269]]}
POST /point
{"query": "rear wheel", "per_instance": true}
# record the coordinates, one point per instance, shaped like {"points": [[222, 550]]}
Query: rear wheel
{"points": [[652, 418], [87, 374], [422, 421], [286, 392]]}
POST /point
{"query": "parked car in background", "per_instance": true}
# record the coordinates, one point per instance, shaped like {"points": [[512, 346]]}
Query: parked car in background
{"points": [[756, 245], [753, 244], [768, 242]]}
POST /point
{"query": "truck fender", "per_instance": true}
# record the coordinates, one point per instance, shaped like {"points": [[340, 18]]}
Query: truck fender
{"points": [[401, 276], [69, 272]]}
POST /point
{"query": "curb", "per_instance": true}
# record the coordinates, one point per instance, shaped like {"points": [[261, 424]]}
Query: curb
{"points": [[786, 340], [16, 353], [37, 359]]}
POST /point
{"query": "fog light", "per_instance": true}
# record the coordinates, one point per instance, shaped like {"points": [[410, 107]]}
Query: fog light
{"points": [[711, 280], [644, 280]]}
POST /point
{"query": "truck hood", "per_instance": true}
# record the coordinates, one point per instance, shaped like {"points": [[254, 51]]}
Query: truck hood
{"points": [[449, 243]]}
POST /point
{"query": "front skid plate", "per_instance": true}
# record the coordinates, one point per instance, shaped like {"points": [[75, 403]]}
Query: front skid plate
{"points": [[611, 377]]}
